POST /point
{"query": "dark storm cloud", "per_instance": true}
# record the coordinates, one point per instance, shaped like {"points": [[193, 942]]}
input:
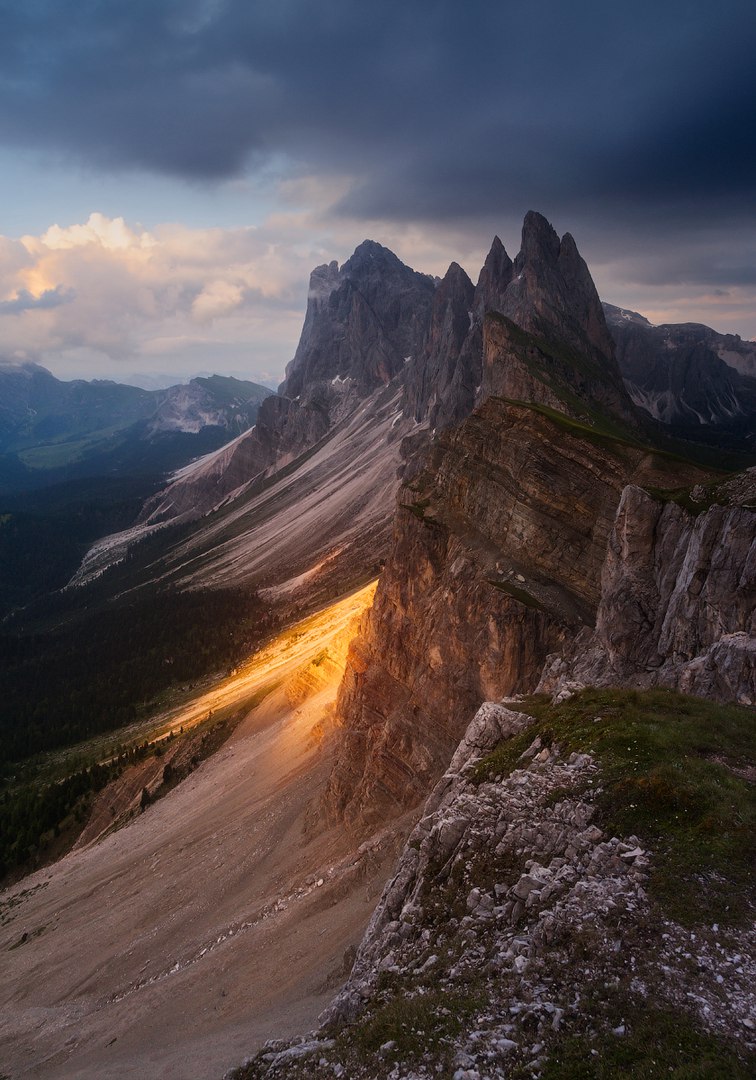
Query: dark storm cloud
{"points": [[439, 109], [26, 301]]}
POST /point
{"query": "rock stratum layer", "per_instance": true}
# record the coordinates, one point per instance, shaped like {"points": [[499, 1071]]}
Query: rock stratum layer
{"points": [[496, 561]]}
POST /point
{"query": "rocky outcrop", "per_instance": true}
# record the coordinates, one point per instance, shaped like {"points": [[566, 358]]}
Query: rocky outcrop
{"points": [[516, 922], [440, 381], [363, 322], [498, 548], [443, 383], [569, 873], [551, 296], [678, 598]]}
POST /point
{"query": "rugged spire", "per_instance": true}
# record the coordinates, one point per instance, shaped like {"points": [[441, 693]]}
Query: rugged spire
{"points": [[494, 278]]}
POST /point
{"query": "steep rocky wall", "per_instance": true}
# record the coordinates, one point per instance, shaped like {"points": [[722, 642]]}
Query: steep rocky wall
{"points": [[496, 561], [363, 320], [533, 329], [678, 599]]}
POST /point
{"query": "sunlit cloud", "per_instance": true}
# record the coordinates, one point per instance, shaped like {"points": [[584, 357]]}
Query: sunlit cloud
{"points": [[27, 301], [86, 298]]}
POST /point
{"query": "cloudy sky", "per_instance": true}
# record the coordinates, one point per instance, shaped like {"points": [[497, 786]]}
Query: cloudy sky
{"points": [[171, 170]]}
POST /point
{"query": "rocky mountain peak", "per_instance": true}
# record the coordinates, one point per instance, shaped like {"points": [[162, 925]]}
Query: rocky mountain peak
{"points": [[439, 382], [566, 350], [454, 282], [376, 315], [553, 291], [540, 241], [494, 278], [371, 252]]}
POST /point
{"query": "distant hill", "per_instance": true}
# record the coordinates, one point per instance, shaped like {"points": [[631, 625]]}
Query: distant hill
{"points": [[51, 430]]}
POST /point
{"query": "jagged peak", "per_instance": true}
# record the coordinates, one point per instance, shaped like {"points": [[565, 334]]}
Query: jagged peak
{"points": [[495, 275], [323, 280], [456, 275], [497, 261], [539, 239], [370, 252]]}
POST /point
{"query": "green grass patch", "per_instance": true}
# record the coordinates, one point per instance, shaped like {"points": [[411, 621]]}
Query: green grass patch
{"points": [[708, 495], [657, 1043], [669, 773], [504, 759], [423, 1024], [67, 449], [600, 432]]}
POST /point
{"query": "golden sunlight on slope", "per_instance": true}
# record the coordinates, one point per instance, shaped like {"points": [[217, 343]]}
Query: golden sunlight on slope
{"points": [[331, 629], [173, 947]]}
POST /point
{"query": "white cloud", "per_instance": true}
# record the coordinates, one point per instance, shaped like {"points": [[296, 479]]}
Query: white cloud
{"points": [[205, 297], [218, 298], [110, 233]]}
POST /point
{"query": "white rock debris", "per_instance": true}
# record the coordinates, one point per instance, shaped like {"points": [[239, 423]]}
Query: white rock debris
{"points": [[509, 897]]}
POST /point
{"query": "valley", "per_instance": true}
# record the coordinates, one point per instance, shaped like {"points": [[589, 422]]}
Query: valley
{"points": [[174, 945]]}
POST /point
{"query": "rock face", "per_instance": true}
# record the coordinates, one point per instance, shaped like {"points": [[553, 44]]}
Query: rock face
{"points": [[363, 322], [375, 326], [566, 347], [532, 329], [678, 599], [501, 532], [687, 375], [569, 874], [498, 548], [440, 380]]}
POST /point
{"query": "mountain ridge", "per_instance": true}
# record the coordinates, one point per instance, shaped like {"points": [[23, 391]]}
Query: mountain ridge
{"points": [[541, 531]]}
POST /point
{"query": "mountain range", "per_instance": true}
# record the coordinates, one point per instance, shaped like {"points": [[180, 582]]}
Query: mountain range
{"points": [[52, 430], [559, 503]]}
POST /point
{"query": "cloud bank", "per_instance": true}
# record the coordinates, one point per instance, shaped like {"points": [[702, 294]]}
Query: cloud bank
{"points": [[436, 108]]}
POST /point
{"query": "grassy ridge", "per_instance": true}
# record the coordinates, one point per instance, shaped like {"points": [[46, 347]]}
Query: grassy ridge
{"points": [[674, 770]]}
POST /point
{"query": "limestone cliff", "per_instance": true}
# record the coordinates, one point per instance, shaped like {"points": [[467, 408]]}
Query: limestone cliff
{"points": [[532, 329], [496, 561], [363, 322], [678, 597], [502, 528]]}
